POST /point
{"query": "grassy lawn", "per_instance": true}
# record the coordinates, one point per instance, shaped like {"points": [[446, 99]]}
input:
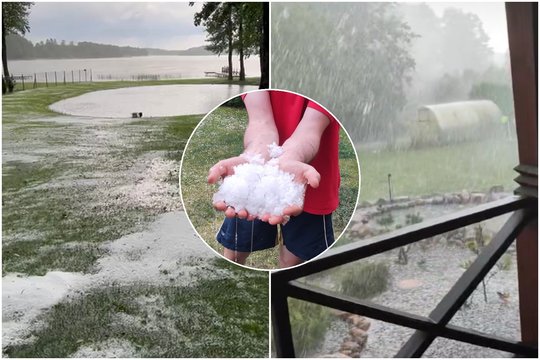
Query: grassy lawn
{"points": [[35, 102], [474, 166], [208, 319], [69, 187], [66, 224], [221, 136]]}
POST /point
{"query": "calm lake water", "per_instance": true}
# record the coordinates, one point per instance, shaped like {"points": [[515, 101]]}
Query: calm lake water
{"points": [[163, 100], [129, 68]]}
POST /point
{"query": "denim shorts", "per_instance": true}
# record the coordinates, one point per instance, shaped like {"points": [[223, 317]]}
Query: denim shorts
{"points": [[306, 235]]}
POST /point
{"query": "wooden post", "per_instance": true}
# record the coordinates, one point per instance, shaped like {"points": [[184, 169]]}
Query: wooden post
{"points": [[522, 21], [72, 77], [55, 82], [64, 77], [79, 75], [35, 81], [46, 80], [91, 75], [22, 80]]}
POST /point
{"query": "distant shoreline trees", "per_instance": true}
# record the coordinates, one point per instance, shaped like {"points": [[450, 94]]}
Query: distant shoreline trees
{"points": [[23, 49]]}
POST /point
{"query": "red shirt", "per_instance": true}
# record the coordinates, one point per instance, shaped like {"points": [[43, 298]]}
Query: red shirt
{"points": [[288, 109]]}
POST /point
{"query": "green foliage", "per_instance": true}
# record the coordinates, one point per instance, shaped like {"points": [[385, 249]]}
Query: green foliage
{"points": [[414, 218], [365, 280], [505, 263], [500, 94], [386, 220], [15, 17], [235, 102], [309, 323], [353, 58]]}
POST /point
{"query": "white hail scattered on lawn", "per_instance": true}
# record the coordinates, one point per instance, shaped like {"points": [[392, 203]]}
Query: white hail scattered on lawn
{"points": [[169, 249]]}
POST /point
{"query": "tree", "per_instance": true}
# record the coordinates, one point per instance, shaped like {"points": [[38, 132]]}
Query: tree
{"points": [[217, 18], [248, 19], [241, 27], [353, 58], [14, 21], [464, 43]]}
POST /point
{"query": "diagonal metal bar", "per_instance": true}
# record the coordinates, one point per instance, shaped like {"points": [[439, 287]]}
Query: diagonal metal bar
{"points": [[407, 235], [356, 306], [375, 311], [458, 294]]}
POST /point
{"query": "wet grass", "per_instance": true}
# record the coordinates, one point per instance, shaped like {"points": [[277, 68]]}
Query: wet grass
{"points": [[167, 134], [474, 166], [56, 216], [220, 137], [43, 222], [209, 319], [35, 102]]}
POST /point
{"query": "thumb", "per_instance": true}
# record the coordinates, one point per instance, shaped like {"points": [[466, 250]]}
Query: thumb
{"points": [[312, 176]]}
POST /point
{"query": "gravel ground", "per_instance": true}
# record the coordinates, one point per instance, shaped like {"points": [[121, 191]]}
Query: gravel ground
{"points": [[432, 269]]}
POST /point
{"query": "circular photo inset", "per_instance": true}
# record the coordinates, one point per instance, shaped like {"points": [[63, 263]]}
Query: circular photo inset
{"points": [[269, 179]]}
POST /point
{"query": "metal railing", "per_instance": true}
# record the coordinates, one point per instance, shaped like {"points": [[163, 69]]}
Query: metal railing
{"points": [[285, 284]]}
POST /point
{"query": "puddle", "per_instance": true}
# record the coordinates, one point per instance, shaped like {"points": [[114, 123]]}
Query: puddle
{"points": [[151, 101]]}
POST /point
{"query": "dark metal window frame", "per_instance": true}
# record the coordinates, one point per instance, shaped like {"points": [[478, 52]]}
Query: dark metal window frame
{"points": [[285, 283], [523, 209]]}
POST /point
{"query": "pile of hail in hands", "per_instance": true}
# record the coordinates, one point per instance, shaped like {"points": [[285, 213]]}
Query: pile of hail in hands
{"points": [[260, 187]]}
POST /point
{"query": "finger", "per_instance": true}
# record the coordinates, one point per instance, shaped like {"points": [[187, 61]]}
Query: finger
{"points": [[293, 210], [242, 214], [216, 172], [220, 206], [230, 213], [275, 219], [251, 217], [312, 176], [265, 217]]}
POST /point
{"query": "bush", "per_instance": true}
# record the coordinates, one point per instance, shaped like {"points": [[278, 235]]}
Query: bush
{"points": [[309, 323], [235, 102], [365, 280]]}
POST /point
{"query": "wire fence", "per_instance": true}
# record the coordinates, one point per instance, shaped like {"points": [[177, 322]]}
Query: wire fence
{"points": [[51, 78]]}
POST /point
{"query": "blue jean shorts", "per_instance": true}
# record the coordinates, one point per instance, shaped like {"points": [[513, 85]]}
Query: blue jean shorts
{"points": [[306, 235]]}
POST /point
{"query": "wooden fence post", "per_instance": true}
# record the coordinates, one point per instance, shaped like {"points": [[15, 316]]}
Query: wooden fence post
{"points": [[64, 77], [46, 80], [55, 82], [35, 81], [72, 78], [22, 80]]}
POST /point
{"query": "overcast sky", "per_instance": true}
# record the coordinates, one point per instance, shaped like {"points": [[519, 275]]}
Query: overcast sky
{"points": [[170, 25], [156, 25]]}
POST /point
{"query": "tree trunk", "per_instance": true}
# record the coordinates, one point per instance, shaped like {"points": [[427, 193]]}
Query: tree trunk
{"points": [[231, 48], [4, 62], [241, 48], [264, 48]]}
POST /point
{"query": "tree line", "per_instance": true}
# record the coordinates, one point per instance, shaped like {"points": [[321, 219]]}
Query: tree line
{"points": [[23, 49], [374, 64], [237, 27]]}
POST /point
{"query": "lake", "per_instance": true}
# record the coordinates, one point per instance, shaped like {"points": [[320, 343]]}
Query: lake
{"points": [[129, 68]]}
